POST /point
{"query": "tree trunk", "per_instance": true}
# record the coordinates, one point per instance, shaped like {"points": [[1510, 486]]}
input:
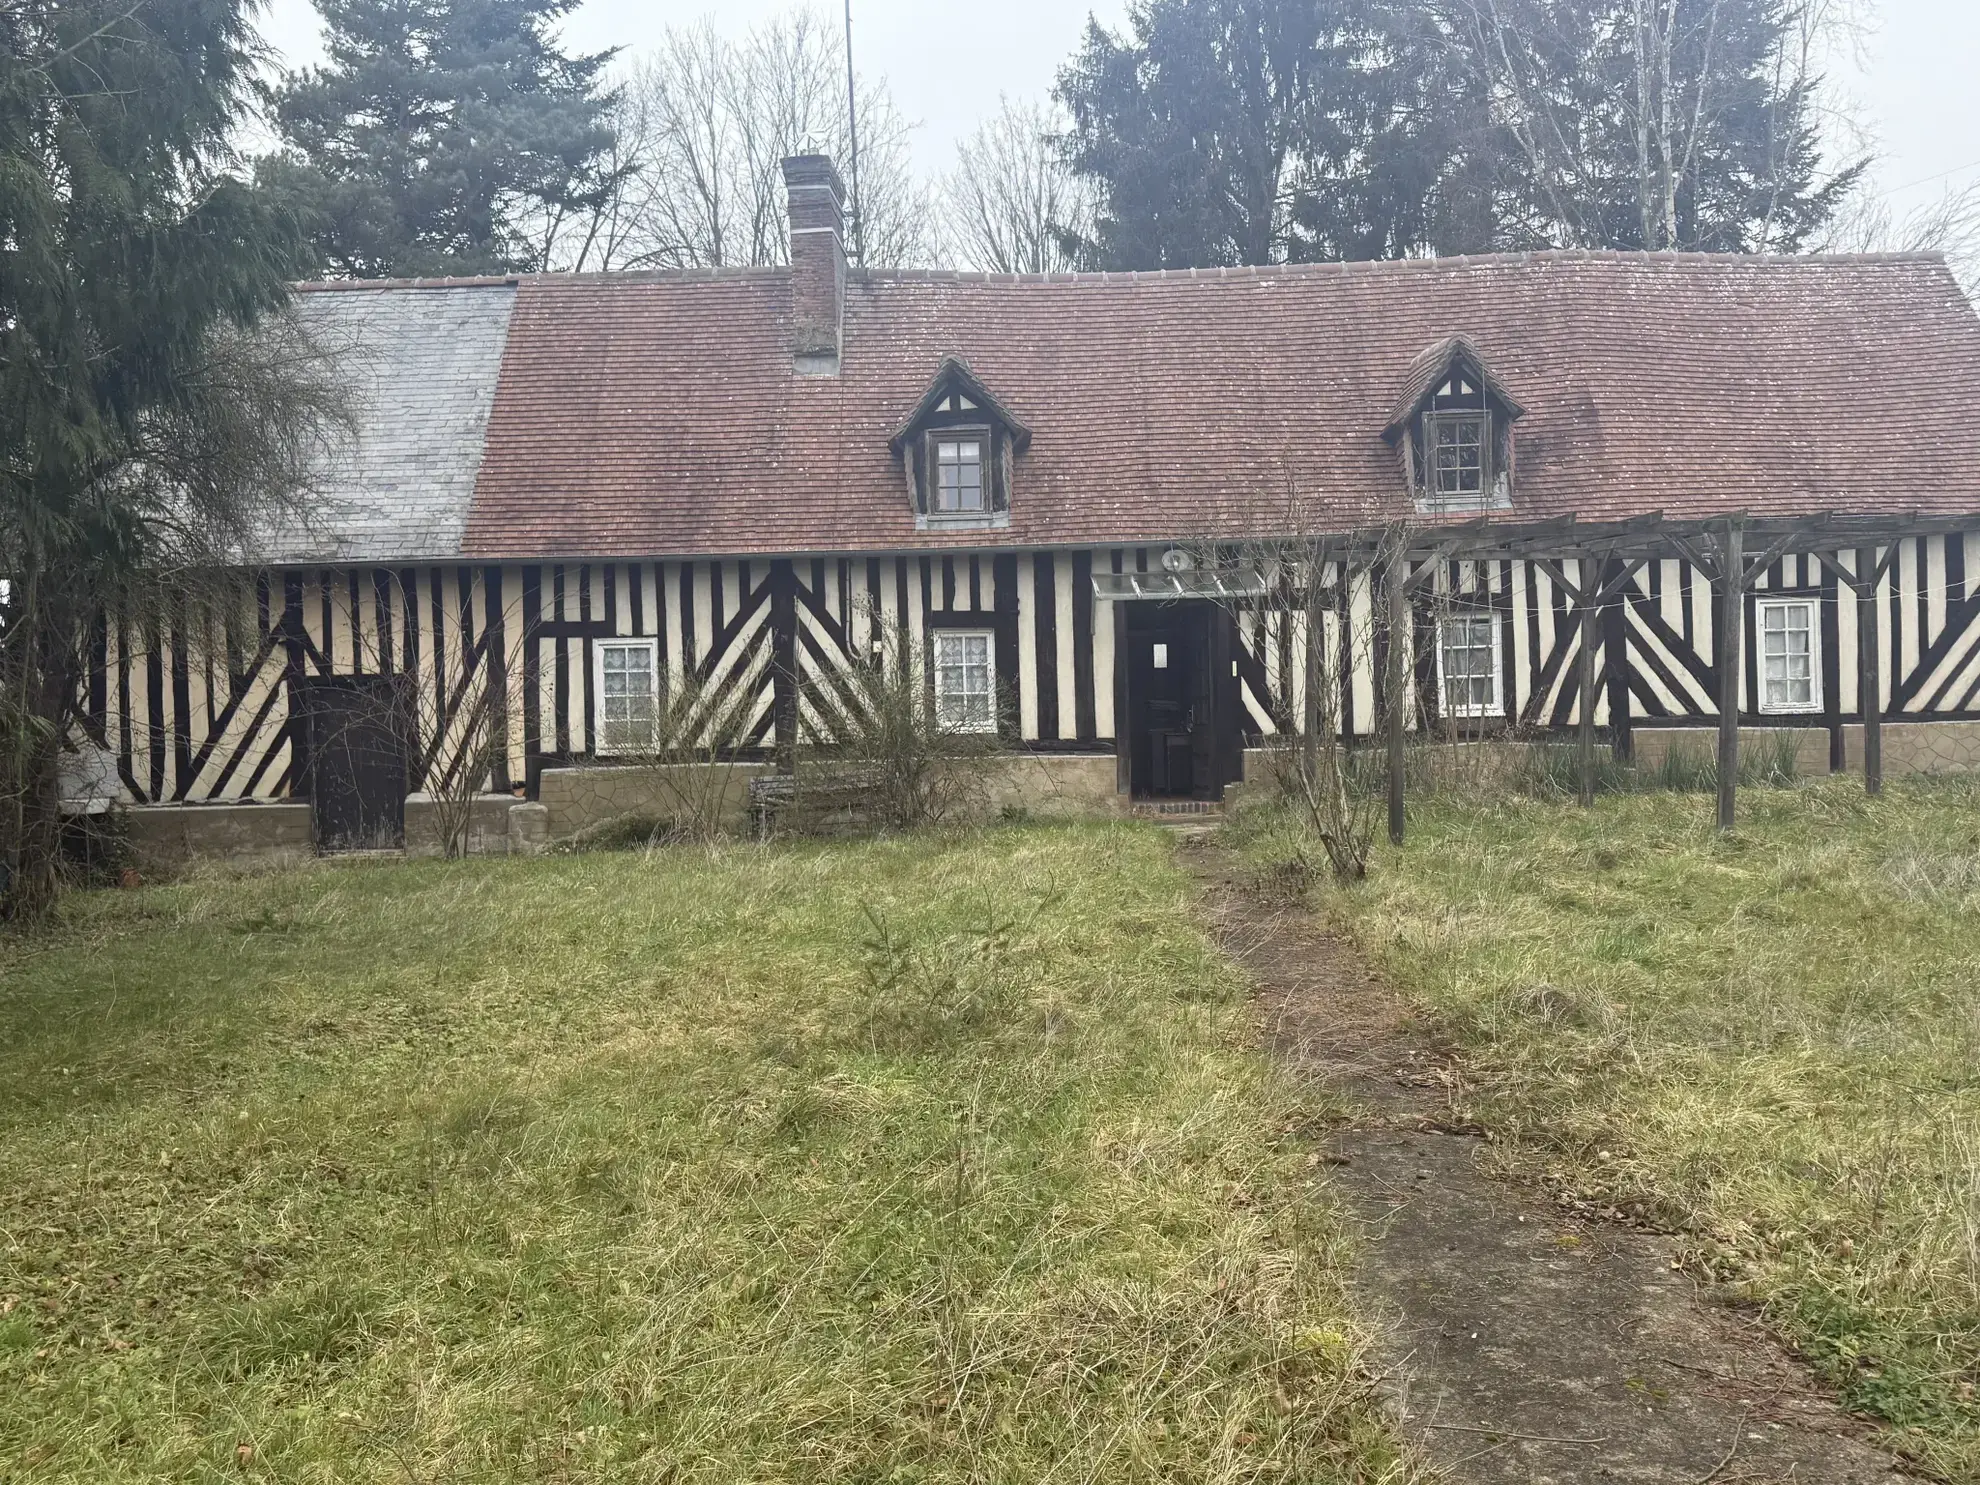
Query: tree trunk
{"points": [[1645, 210], [1666, 162], [36, 877]]}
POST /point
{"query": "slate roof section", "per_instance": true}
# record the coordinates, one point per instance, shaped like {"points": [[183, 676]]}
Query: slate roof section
{"points": [[658, 415], [422, 361]]}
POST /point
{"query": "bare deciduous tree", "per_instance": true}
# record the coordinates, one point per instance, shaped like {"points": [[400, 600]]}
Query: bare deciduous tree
{"points": [[1949, 226], [704, 125], [1693, 124], [1011, 205]]}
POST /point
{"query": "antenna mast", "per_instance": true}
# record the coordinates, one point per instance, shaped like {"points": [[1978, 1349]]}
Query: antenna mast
{"points": [[852, 126]]}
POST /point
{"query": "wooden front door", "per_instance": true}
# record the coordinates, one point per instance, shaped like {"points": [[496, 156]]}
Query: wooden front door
{"points": [[358, 753], [1179, 732]]}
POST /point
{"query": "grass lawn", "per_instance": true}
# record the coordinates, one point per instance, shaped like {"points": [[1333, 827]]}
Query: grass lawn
{"points": [[924, 1160], [1773, 1039]]}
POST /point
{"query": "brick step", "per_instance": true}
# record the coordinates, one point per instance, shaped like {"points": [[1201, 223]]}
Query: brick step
{"points": [[1177, 809]]}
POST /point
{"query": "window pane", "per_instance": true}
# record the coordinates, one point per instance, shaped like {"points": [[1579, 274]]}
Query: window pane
{"points": [[965, 681], [1787, 657], [959, 475], [1459, 455], [626, 696], [1470, 672]]}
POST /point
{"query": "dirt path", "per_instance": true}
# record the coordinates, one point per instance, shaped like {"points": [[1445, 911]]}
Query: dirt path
{"points": [[1521, 1345]]}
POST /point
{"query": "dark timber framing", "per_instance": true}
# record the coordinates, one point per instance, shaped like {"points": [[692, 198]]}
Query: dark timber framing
{"points": [[1716, 548], [1651, 614]]}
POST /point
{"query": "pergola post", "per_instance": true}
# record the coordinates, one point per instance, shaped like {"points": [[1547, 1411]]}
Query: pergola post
{"points": [[1396, 687], [1587, 718], [1870, 670], [1312, 653], [1732, 651]]}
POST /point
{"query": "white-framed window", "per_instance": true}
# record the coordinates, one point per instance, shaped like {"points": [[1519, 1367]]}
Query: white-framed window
{"points": [[627, 675], [1468, 670], [966, 680], [1790, 668]]}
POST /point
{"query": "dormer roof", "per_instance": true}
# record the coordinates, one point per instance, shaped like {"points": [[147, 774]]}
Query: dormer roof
{"points": [[1436, 364], [954, 378]]}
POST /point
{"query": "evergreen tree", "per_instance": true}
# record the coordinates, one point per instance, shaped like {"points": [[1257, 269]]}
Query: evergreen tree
{"points": [[1202, 129], [441, 135], [1245, 131], [149, 413]]}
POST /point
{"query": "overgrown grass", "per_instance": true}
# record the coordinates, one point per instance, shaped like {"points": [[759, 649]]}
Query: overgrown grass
{"points": [[1770, 1039], [1553, 770], [924, 1160]]}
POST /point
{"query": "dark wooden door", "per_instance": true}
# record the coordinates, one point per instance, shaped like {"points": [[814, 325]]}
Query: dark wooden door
{"points": [[1161, 670], [359, 755], [1181, 701]]}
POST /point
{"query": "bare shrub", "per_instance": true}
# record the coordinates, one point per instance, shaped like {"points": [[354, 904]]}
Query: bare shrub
{"points": [[885, 754], [1308, 589], [673, 761]]}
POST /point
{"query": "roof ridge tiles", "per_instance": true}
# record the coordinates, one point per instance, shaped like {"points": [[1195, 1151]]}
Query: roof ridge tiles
{"points": [[354, 285], [1529, 258], [1254, 271]]}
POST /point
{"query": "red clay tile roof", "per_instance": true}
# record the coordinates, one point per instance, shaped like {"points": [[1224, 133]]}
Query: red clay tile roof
{"points": [[650, 416]]}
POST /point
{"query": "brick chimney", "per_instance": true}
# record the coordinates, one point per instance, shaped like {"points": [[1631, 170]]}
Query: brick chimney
{"points": [[818, 263]]}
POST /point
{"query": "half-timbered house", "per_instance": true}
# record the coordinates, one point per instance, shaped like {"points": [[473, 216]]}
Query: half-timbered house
{"points": [[594, 484]]}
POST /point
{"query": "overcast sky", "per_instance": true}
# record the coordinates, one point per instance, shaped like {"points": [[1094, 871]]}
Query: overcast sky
{"points": [[948, 62]]}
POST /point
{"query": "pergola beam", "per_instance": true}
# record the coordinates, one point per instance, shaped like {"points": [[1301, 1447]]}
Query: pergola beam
{"points": [[1644, 537], [1634, 542]]}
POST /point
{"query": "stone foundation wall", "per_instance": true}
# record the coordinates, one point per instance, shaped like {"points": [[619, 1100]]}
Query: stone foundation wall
{"points": [[487, 830], [1920, 747], [578, 798], [168, 835], [1652, 744], [1054, 786]]}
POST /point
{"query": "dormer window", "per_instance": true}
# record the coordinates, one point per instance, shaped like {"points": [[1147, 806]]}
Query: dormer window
{"points": [[1457, 448], [958, 474], [1453, 428], [959, 451]]}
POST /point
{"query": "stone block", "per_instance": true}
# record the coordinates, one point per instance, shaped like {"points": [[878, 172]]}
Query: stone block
{"points": [[487, 825], [1919, 747], [582, 797], [166, 835], [529, 827], [1053, 785]]}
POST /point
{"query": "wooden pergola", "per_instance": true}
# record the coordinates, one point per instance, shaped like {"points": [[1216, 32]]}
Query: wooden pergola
{"points": [[1731, 550]]}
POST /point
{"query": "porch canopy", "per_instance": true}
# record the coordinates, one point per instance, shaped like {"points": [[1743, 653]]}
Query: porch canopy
{"points": [[1229, 569]]}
